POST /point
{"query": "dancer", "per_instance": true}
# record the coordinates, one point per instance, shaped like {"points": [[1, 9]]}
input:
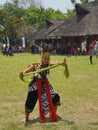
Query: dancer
{"points": [[40, 88]]}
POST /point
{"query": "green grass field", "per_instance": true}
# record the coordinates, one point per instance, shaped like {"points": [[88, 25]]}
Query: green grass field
{"points": [[79, 94]]}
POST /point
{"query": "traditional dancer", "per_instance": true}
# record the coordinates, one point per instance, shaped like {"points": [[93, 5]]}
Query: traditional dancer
{"points": [[41, 89]]}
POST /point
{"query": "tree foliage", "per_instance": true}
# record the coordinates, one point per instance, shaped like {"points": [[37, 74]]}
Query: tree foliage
{"points": [[28, 3], [22, 21], [7, 25]]}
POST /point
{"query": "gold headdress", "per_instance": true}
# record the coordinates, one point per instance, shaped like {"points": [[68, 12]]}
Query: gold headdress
{"points": [[46, 53]]}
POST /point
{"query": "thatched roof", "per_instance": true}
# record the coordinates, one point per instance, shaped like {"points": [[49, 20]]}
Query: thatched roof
{"points": [[84, 23], [50, 26]]}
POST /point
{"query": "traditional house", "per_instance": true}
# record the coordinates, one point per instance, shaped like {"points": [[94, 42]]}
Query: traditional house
{"points": [[42, 34], [82, 26]]}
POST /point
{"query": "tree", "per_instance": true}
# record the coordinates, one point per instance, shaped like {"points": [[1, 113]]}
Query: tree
{"points": [[17, 14], [28, 3], [54, 14], [70, 14], [7, 25], [73, 1], [37, 16], [25, 20], [14, 10]]}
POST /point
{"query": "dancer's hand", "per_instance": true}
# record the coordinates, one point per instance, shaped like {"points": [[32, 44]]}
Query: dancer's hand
{"points": [[64, 62], [21, 75]]}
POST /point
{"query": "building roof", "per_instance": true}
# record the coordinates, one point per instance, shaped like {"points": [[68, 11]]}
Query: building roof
{"points": [[50, 26], [84, 23]]}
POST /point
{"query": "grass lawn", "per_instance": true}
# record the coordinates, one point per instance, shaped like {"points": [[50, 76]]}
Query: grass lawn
{"points": [[79, 94]]}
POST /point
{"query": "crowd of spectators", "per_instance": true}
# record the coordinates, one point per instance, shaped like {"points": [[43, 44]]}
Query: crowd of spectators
{"points": [[9, 50], [69, 50]]}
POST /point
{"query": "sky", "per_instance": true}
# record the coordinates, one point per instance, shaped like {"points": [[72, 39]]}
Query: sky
{"points": [[62, 5]]}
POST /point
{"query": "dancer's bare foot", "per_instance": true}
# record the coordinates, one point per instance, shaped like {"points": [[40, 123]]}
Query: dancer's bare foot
{"points": [[59, 117], [25, 120]]}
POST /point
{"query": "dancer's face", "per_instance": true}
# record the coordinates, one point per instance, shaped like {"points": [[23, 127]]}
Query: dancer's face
{"points": [[45, 60]]}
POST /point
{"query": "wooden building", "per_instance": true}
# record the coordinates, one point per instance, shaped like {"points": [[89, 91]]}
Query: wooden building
{"points": [[83, 26]]}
